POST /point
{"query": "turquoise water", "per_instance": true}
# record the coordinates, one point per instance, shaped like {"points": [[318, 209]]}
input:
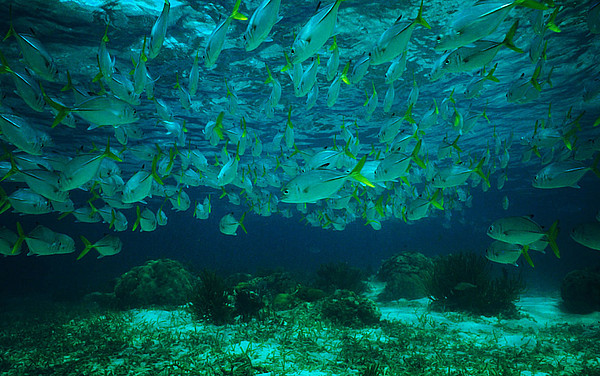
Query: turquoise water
{"points": [[373, 221], [470, 160]]}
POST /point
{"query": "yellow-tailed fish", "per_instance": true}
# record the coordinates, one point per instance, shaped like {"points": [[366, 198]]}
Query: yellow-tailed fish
{"points": [[261, 23], [108, 245], [587, 234], [394, 40], [21, 134], [478, 21], [159, 31], [315, 185], [315, 33], [35, 55], [228, 225], [334, 60], [396, 68], [83, 168], [214, 46]]}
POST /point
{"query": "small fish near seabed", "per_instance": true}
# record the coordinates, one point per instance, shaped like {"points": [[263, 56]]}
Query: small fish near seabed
{"points": [[523, 231], [228, 225], [587, 234]]}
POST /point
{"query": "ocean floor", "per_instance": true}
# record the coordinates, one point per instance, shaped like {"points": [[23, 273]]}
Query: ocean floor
{"points": [[38, 338]]}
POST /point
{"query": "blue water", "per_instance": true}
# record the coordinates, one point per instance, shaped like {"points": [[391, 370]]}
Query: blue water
{"points": [[71, 32]]}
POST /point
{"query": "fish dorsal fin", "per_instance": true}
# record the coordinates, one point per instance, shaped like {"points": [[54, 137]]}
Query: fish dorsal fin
{"points": [[318, 7]]}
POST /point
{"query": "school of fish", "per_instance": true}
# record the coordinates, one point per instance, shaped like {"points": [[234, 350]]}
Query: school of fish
{"points": [[161, 142]]}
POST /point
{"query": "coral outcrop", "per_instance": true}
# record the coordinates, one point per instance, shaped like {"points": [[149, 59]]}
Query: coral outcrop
{"points": [[404, 275], [161, 282]]}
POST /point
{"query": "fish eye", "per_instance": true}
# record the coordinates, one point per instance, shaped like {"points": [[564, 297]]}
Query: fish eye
{"points": [[491, 228], [286, 191], [293, 51], [447, 61]]}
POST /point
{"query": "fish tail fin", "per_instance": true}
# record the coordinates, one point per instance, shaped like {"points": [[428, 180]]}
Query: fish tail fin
{"points": [[551, 235], [437, 201], [508, 40], [177, 84], [63, 111], [98, 76], [420, 20], [345, 78], [143, 56], [241, 222], [455, 144], [288, 63], [11, 30], [13, 168], [109, 154], [296, 151], [334, 45], [105, 36], [270, 78], [479, 171], [355, 173], [4, 68], [69, 85], [20, 239], [113, 218], [490, 76], [551, 25], [218, 129], [408, 115], [235, 14], [86, 249], [415, 155], [138, 218], [526, 255], [154, 172]]}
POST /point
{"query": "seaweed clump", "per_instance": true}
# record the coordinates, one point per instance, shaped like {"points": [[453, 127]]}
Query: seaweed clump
{"points": [[211, 299], [463, 282], [349, 309], [334, 276]]}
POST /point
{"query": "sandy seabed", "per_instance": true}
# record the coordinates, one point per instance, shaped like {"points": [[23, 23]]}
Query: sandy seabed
{"points": [[57, 339]]}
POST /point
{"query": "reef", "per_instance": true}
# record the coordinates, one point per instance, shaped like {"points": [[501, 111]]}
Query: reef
{"points": [[161, 282], [463, 282], [580, 291], [405, 275], [349, 309]]}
